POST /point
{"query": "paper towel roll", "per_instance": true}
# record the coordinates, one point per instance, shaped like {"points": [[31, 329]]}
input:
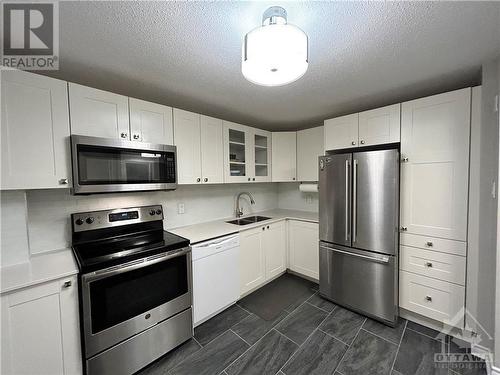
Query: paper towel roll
{"points": [[308, 188]]}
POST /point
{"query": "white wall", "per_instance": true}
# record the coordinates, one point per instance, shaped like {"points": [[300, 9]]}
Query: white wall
{"points": [[39, 220], [488, 174], [290, 197], [497, 310]]}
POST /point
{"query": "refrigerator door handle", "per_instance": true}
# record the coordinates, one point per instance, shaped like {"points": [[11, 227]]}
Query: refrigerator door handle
{"points": [[378, 259], [347, 200], [354, 199]]}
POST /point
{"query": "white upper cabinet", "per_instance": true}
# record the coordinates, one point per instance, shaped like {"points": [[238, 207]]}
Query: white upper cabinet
{"points": [[262, 155], [284, 156], [309, 147], [34, 132], [368, 128], [199, 148], [98, 113], [187, 138], [247, 153], [237, 153], [150, 122], [212, 150], [379, 126], [341, 132], [434, 173]]}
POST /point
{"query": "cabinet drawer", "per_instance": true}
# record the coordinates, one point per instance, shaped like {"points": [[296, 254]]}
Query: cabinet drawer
{"points": [[435, 299], [433, 243], [433, 264]]}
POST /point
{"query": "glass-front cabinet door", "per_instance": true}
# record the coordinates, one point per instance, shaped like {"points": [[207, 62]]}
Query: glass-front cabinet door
{"points": [[262, 155], [237, 153]]}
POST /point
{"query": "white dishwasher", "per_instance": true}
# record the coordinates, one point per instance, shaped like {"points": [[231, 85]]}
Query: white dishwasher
{"points": [[216, 280]]}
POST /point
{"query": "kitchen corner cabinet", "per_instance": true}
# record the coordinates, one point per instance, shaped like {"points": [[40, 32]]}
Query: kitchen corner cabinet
{"points": [[40, 329], [150, 122], [303, 244], [262, 255], [34, 132], [98, 113], [284, 156], [368, 128], [310, 146], [199, 148], [435, 165], [247, 153]]}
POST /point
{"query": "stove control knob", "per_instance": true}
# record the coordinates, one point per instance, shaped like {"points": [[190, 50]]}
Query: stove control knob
{"points": [[158, 212], [79, 221], [152, 212], [89, 220]]}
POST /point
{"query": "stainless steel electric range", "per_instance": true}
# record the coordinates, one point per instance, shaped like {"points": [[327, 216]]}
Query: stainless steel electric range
{"points": [[135, 288]]}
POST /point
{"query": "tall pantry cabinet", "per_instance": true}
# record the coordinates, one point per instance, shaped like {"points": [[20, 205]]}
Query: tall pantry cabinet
{"points": [[435, 135]]}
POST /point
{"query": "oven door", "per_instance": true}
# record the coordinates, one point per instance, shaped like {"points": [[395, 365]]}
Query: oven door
{"points": [[122, 301], [102, 165]]}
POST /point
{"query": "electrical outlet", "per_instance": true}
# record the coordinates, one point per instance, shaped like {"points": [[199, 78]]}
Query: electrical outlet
{"points": [[180, 208], [309, 199]]}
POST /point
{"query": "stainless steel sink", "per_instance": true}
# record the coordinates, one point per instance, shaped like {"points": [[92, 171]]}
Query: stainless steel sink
{"points": [[248, 220]]}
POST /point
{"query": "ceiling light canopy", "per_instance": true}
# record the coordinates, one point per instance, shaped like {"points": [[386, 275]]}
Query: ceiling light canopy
{"points": [[275, 53]]}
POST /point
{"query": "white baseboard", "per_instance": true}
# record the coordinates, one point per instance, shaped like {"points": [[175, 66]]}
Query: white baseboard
{"points": [[495, 370]]}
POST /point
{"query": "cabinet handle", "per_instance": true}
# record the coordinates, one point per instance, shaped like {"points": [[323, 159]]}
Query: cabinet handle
{"points": [[67, 284], [268, 227], [293, 178], [428, 298], [198, 179], [404, 229], [429, 243], [136, 136], [404, 160], [263, 228], [249, 178], [124, 135], [428, 264], [205, 179], [353, 143], [362, 142], [63, 181], [253, 179]]}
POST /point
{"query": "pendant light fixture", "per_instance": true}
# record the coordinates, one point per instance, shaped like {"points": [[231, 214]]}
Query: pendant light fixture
{"points": [[275, 53]]}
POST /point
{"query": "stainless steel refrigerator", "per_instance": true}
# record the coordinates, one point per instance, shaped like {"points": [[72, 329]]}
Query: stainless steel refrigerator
{"points": [[358, 226]]}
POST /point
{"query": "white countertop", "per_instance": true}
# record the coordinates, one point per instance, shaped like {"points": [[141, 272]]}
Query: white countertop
{"points": [[40, 268], [212, 229]]}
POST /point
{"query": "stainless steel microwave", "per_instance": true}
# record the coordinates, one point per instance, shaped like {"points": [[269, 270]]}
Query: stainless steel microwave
{"points": [[106, 165]]}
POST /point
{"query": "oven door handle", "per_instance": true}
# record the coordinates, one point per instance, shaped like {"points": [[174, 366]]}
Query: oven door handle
{"points": [[107, 272]]}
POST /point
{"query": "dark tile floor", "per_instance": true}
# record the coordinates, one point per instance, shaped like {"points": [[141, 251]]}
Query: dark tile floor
{"points": [[311, 336]]}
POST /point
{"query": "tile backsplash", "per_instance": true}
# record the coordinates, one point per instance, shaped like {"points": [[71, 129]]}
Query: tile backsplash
{"points": [[39, 220]]}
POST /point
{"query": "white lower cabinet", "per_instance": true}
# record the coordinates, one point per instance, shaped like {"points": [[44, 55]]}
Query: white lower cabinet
{"points": [[40, 329], [262, 255], [303, 243], [252, 260], [435, 299], [274, 244]]}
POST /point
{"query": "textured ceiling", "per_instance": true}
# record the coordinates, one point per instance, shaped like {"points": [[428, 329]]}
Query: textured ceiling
{"points": [[362, 55]]}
